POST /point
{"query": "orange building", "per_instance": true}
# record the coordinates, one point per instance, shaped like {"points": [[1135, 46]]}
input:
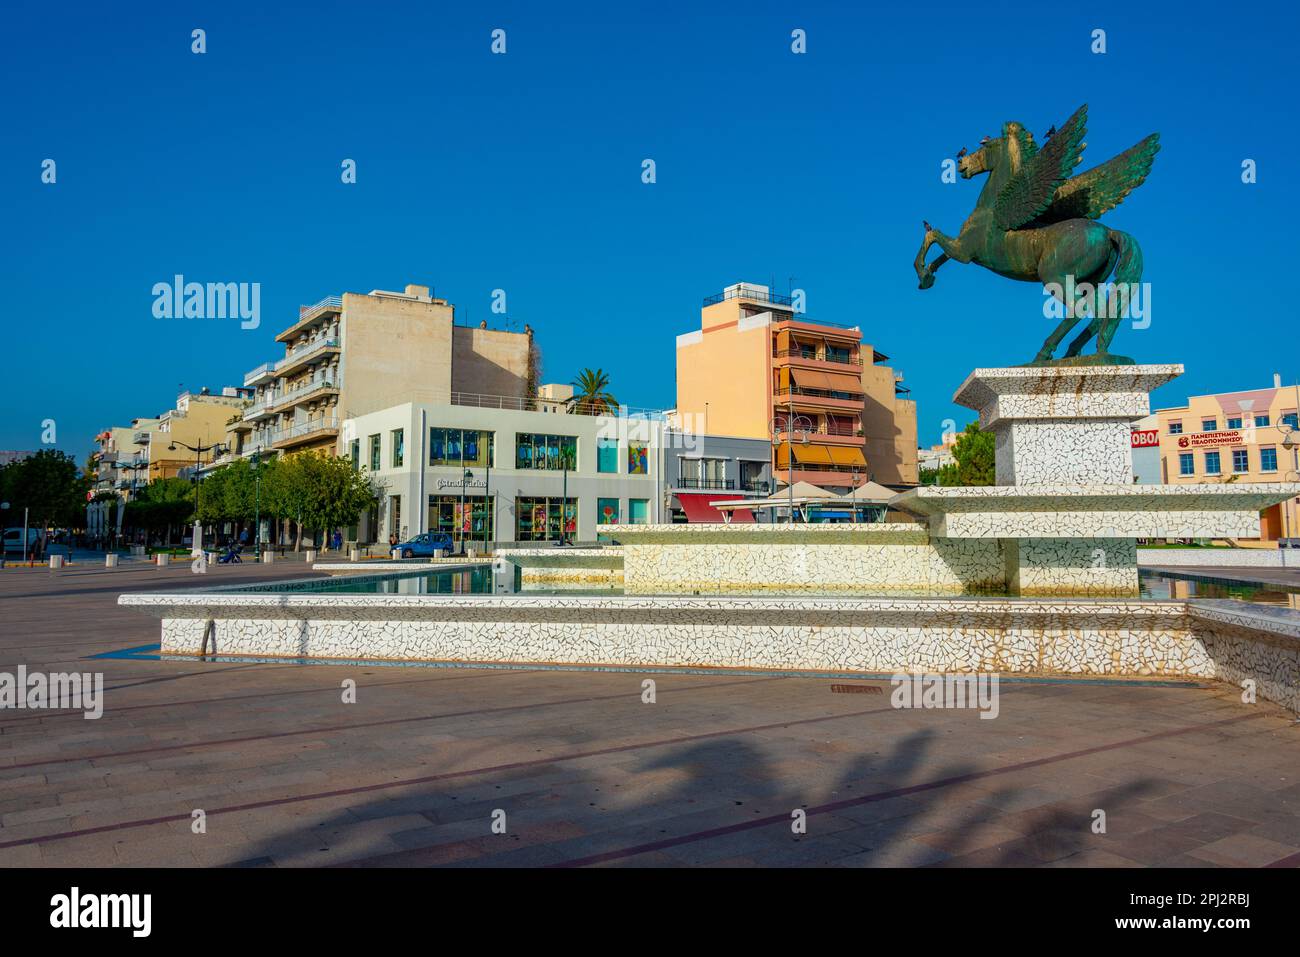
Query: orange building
{"points": [[1246, 437], [757, 369]]}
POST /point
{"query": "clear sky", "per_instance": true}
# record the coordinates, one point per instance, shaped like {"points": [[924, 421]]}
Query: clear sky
{"points": [[523, 172]]}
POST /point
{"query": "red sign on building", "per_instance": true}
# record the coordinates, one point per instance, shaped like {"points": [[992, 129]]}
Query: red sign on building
{"points": [[1145, 438]]}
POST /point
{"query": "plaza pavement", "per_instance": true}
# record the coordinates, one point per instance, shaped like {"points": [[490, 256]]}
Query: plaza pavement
{"points": [[588, 774]]}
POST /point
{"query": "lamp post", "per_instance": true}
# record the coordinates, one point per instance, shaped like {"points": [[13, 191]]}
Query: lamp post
{"points": [[793, 423], [490, 519], [198, 451], [853, 495], [465, 477], [257, 502]]}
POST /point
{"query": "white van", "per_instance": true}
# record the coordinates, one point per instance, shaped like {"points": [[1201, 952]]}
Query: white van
{"points": [[14, 539]]}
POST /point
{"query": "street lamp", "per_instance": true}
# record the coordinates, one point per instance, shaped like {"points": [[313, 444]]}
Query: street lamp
{"points": [[793, 423], [198, 451], [465, 477]]}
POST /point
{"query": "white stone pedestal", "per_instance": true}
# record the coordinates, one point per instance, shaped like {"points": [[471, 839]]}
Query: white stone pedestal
{"points": [[1065, 510], [1063, 425]]}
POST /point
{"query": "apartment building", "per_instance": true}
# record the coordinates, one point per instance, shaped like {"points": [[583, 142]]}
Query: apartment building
{"points": [[497, 471], [193, 433], [757, 369], [1245, 437], [351, 355]]}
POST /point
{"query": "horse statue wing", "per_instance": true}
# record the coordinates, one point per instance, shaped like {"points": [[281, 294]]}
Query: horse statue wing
{"points": [[1031, 190], [1103, 187]]}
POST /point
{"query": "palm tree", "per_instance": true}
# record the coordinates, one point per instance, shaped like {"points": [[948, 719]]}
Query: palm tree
{"points": [[590, 397]]}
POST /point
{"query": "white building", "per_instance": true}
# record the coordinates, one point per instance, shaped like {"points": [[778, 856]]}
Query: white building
{"points": [[497, 474]]}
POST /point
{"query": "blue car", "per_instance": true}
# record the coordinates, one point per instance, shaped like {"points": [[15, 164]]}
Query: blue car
{"points": [[422, 546]]}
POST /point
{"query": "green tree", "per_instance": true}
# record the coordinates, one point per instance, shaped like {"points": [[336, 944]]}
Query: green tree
{"points": [[49, 485], [590, 397], [317, 492], [974, 452], [162, 505]]}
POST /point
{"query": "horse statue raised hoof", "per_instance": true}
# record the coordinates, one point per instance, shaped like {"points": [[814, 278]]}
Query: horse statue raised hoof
{"points": [[1034, 222]]}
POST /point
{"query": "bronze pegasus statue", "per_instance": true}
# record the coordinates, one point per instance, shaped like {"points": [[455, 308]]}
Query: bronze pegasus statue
{"points": [[1036, 223]]}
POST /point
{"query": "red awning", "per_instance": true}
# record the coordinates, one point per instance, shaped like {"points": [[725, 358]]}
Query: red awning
{"points": [[697, 508]]}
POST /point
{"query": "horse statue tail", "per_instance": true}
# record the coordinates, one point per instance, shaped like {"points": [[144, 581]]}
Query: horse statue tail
{"points": [[1127, 275]]}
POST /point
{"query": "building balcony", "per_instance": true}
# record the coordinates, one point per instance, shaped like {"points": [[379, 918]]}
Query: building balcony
{"points": [[819, 328], [304, 433], [260, 376], [825, 476], [309, 314], [722, 485], [287, 400], [305, 354], [141, 437], [812, 359], [261, 408], [817, 400]]}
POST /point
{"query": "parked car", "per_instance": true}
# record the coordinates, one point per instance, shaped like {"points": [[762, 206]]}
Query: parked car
{"points": [[14, 539], [422, 546]]}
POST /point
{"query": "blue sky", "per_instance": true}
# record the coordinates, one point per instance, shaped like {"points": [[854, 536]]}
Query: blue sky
{"points": [[477, 171]]}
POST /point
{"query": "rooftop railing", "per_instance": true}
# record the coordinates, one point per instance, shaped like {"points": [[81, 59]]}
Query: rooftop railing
{"points": [[325, 305], [757, 295], [554, 406]]}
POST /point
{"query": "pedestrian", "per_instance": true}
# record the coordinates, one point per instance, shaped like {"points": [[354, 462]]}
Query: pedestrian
{"points": [[337, 543], [392, 542]]}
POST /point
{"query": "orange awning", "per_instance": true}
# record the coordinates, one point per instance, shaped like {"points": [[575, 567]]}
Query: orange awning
{"points": [[851, 455], [828, 381]]}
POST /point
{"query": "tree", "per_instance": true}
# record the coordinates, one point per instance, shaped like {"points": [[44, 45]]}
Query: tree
{"points": [[162, 504], [315, 491], [590, 397], [49, 485], [974, 452]]}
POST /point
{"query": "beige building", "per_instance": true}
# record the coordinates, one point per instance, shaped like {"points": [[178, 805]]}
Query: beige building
{"points": [[354, 354], [757, 369], [198, 422], [1236, 437]]}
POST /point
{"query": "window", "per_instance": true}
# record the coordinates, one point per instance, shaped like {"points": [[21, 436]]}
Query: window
{"points": [[1175, 428], [1186, 464], [753, 476], [461, 447], [399, 448], [1261, 421], [1209, 425], [606, 511], [1234, 422], [704, 473], [374, 453], [1292, 419], [637, 459], [638, 511], [607, 456], [354, 451], [1268, 459], [1240, 460], [550, 452], [1211, 463], [538, 519], [473, 522]]}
